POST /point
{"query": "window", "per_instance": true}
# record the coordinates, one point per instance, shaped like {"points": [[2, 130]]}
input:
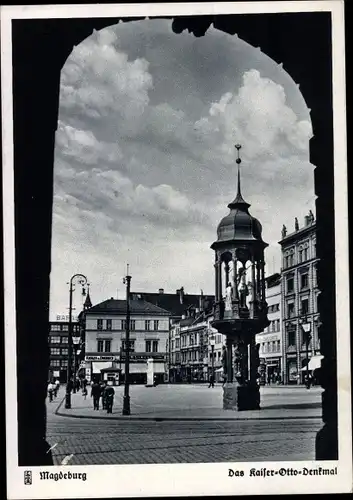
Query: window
{"points": [[55, 340], [278, 325], [269, 347], [300, 254], [55, 362], [155, 324], [314, 248], [304, 280], [123, 324], [155, 346], [104, 346], [148, 324], [55, 328], [63, 363], [274, 346], [132, 324], [304, 306], [54, 351], [292, 338], [278, 345], [99, 324], [109, 324], [177, 357], [65, 328], [131, 345], [148, 346], [177, 343], [100, 346], [107, 346], [219, 355], [64, 340], [290, 310], [290, 284], [64, 352]]}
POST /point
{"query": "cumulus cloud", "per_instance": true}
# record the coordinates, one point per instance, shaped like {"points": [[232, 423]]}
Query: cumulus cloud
{"points": [[97, 79], [144, 172]]}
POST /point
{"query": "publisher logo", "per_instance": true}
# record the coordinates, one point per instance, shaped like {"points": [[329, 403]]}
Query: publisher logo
{"points": [[27, 477]]}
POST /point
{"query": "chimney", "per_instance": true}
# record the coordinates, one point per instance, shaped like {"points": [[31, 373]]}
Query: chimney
{"points": [[161, 291], [181, 295]]}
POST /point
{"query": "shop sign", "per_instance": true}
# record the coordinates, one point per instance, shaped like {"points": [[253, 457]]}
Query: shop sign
{"points": [[99, 358]]}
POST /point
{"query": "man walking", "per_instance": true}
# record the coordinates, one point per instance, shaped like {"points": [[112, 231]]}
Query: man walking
{"points": [[109, 398], [95, 393], [211, 384]]}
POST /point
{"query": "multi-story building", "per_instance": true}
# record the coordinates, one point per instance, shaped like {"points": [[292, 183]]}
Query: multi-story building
{"points": [[270, 339], [58, 348], [185, 309], [105, 339], [299, 292]]}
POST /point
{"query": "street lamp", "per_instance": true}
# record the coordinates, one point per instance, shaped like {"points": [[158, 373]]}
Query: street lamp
{"points": [[306, 326], [126, 399], [212, 344], [82, 280], [76, 342]]}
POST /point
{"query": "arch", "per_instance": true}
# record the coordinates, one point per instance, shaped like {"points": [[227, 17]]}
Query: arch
{"points": [[40, 48]]}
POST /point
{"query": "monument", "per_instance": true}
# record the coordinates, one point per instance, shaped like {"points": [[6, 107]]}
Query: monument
{"points": [[240, 310]]}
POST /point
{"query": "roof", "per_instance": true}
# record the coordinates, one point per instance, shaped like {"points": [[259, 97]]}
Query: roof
{"points": [[171, 301], [137, 306], [297, 235]]}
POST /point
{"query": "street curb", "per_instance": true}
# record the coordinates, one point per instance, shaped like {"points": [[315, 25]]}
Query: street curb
{"points": [[131, 418], [56, 412]]}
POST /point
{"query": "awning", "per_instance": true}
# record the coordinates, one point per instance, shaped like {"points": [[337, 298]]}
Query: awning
{"points": [[314, 363], [219, 370], [97, 366]]}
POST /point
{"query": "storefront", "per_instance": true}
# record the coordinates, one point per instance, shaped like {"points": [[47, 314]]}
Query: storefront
{"points": [[292, 370]]}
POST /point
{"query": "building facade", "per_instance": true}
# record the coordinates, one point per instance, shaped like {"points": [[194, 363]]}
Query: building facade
{"points": [[270, 339], [105, 340], [299, 292], [58, 340]]}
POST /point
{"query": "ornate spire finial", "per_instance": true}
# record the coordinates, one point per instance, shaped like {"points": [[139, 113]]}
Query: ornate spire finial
{"points": [[239, 201], [238, 161]]}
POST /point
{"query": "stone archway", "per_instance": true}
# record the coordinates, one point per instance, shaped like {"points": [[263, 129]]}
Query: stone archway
{"points": [[40, 48]]}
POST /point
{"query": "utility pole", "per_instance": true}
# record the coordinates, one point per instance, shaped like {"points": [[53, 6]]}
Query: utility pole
{"points": [[126, 399]]}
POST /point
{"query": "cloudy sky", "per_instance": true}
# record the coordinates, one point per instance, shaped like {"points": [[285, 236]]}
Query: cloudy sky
{"points": [[145, 159]]}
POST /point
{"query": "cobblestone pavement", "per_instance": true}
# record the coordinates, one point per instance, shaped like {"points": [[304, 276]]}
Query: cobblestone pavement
{"points": [[90, 441]]}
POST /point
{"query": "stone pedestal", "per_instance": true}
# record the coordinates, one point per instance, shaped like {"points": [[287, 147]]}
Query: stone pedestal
{"points": [[241, 397], [248, 397], [230, 396], [150, 373]]}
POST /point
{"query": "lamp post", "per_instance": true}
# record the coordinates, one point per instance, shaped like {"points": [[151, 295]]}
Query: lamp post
{"points": [[75, 342], [82, 280], [212, 344], [126, 399], [306, 326]]}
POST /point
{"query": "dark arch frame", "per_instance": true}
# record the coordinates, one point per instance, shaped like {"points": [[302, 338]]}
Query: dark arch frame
{"points": [[40, 48]]}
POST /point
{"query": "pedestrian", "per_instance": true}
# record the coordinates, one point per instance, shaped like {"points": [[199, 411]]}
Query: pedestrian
{"points": [[84, 392], [211, 384], [102, 393], [57, 384], [50, 391], [95, 393], [109, 398]]}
